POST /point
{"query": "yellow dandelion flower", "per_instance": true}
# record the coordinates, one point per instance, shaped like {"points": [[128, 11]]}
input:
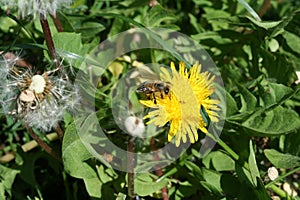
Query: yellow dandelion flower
{"points": [[189, 90]]}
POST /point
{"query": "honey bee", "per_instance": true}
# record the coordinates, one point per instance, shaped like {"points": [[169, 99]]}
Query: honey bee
{"points": [[154, 89]]}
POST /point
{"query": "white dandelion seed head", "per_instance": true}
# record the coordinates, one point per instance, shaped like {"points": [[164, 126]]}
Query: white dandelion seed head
{"points": [[4, 68], [41, 100], [35, 7], [46, 116], [135, 126], [8, 85], [64, 98]]}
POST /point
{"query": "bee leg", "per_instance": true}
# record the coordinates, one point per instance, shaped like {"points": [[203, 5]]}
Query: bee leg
{"points": [[155, 102]]}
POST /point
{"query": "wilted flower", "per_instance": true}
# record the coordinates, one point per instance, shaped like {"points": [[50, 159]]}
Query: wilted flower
{"points": [[40, 100], [35, 7], [189, 91]]}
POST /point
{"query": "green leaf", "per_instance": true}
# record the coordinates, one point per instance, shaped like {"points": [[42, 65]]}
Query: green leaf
{"points": [[89, 29], [271, 122], [157, 15], [67, 26], [232, 107], [212, 181], [292, 40], [213, 16], [244, 176], [68, 42], [273, 63], [146, 184], [185, 189], [293, 25], [291, 143], [248, 100], [106, 175], [219, 161], [252, 165], [281, 160], [265, 25], [93, 186], [273, 93], [195, 169], [7, 177], [74, 153]]}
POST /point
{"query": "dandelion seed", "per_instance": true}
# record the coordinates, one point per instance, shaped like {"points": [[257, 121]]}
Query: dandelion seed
{"points": [[35, 7], [189, 90], [40, 100]]}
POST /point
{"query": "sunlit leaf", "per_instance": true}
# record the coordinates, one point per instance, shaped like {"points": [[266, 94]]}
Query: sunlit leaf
{"points": [[282, 160]]}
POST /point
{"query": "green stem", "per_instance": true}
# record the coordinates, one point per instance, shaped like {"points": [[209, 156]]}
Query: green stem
{"points": [[234, 155], [280, 192]]}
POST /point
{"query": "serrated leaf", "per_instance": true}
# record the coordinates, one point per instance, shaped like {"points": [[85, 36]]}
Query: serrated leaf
{"points": [[145, 184], [281, 160], [266, 122], [274, 122], [274, 93]]}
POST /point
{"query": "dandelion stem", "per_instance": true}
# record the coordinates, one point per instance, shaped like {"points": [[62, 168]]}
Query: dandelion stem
{"points": [[130, 157], [59, 132], [45, 146], [49, 40], [158, 169], [57, 23], [234, 155]]}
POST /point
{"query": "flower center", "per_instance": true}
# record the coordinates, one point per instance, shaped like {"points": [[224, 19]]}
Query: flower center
{"points": [[38, 84]]}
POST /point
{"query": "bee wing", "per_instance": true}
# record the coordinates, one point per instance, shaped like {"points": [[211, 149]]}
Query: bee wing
{"points": [[145, 73]]}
